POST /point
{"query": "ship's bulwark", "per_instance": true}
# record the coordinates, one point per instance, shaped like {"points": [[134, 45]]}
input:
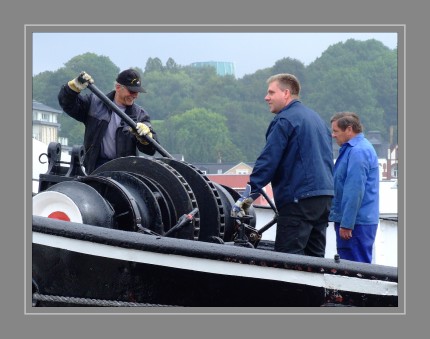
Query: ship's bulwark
{"points": [[109, 279], [141, 258], [84, 261]]}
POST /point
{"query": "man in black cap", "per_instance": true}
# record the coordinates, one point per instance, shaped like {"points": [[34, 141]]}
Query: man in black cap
{"points": [[106, 136]]}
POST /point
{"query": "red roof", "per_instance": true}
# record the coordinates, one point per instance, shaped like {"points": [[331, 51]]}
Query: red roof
{"points": [[235, 181], [238, 182]]}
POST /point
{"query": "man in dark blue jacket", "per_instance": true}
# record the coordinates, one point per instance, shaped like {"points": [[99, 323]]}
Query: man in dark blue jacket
{"points": [[106, 136], [298, 160]]}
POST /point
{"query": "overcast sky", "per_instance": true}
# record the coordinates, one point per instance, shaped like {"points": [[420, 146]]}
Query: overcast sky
{"points": [[248, 51]]}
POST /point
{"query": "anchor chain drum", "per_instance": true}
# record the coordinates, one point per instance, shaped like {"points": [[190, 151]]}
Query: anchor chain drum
{"points": [[144, 194], [74, 201], [174, 184]]}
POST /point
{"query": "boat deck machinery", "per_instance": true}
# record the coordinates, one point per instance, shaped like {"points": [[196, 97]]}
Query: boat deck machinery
{"points": [[148, 231]]}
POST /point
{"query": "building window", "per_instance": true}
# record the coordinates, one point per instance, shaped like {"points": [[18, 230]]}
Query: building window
{"points": [[394, 171]]}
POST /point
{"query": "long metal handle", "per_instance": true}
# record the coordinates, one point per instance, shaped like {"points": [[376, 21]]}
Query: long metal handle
{"points": [[275, 218], [129, 121], [272, 205]]}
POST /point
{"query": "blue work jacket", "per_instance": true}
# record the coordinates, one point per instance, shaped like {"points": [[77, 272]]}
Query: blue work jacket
{"points": [[297, 158], [356, 184]]}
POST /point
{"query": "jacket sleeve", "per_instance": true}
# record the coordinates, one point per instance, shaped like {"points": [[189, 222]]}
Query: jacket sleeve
{"points": [[74, 104]]}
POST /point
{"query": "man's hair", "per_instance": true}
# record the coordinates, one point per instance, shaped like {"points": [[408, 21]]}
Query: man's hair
{"points": [[345, 119], [285, 81]]}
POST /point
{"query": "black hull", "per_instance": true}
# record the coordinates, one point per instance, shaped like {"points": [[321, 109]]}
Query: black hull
{"points": [[59, 272], [110, 279]]}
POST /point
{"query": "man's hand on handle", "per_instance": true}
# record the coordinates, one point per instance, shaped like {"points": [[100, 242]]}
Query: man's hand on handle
{"points": [[80, 82], [142, 130], [241, 206]]}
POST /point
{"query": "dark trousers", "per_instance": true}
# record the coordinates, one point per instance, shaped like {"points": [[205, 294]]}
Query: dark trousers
{"points": [[302, 226]]}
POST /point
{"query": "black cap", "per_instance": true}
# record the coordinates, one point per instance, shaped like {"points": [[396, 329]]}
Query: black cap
{"points": [[130, 79]]}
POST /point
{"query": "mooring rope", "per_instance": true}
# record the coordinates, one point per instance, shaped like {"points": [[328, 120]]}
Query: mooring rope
{"points": [[92, 302]]}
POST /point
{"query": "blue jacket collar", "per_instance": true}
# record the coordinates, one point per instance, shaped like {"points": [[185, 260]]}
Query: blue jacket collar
{"points": [[289, 105], [354, 141]]}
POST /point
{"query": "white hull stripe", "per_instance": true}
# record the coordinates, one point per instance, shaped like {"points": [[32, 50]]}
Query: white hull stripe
{"points": [[329, 281]]}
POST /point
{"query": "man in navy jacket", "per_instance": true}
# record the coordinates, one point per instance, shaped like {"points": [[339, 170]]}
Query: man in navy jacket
{"points": [[298, 160]]}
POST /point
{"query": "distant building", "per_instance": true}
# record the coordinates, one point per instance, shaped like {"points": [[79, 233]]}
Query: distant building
{"points": [[240, 168], [45, 123], [222, 67]]}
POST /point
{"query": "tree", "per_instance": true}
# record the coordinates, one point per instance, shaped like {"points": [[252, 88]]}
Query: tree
{"points": [[358, 76], [101, 68], [254, 86], [153, 64], [292, 66], [46, 86], [171, 65], [383, 77], [166, 92], [201, 135], [351, 91]]}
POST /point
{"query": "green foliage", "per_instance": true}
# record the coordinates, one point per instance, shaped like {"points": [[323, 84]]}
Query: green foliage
{"points": [[206, 116], [165, 92], [171, 65], [292, 66], [74, 131], [46, 86], [356, 76], [154, 65], [200, 135], [102, 70]]}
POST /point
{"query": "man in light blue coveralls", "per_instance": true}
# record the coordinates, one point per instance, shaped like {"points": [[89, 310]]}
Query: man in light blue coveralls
{"points": [[355, 206]]}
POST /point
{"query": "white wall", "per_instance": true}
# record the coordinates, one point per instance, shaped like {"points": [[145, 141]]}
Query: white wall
{"points": [[385, 249], [39, 168]]}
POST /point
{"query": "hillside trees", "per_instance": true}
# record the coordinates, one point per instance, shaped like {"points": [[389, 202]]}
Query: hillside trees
{"points": [[200, 135], [356, 76], [189, 105], [47, 85]]}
